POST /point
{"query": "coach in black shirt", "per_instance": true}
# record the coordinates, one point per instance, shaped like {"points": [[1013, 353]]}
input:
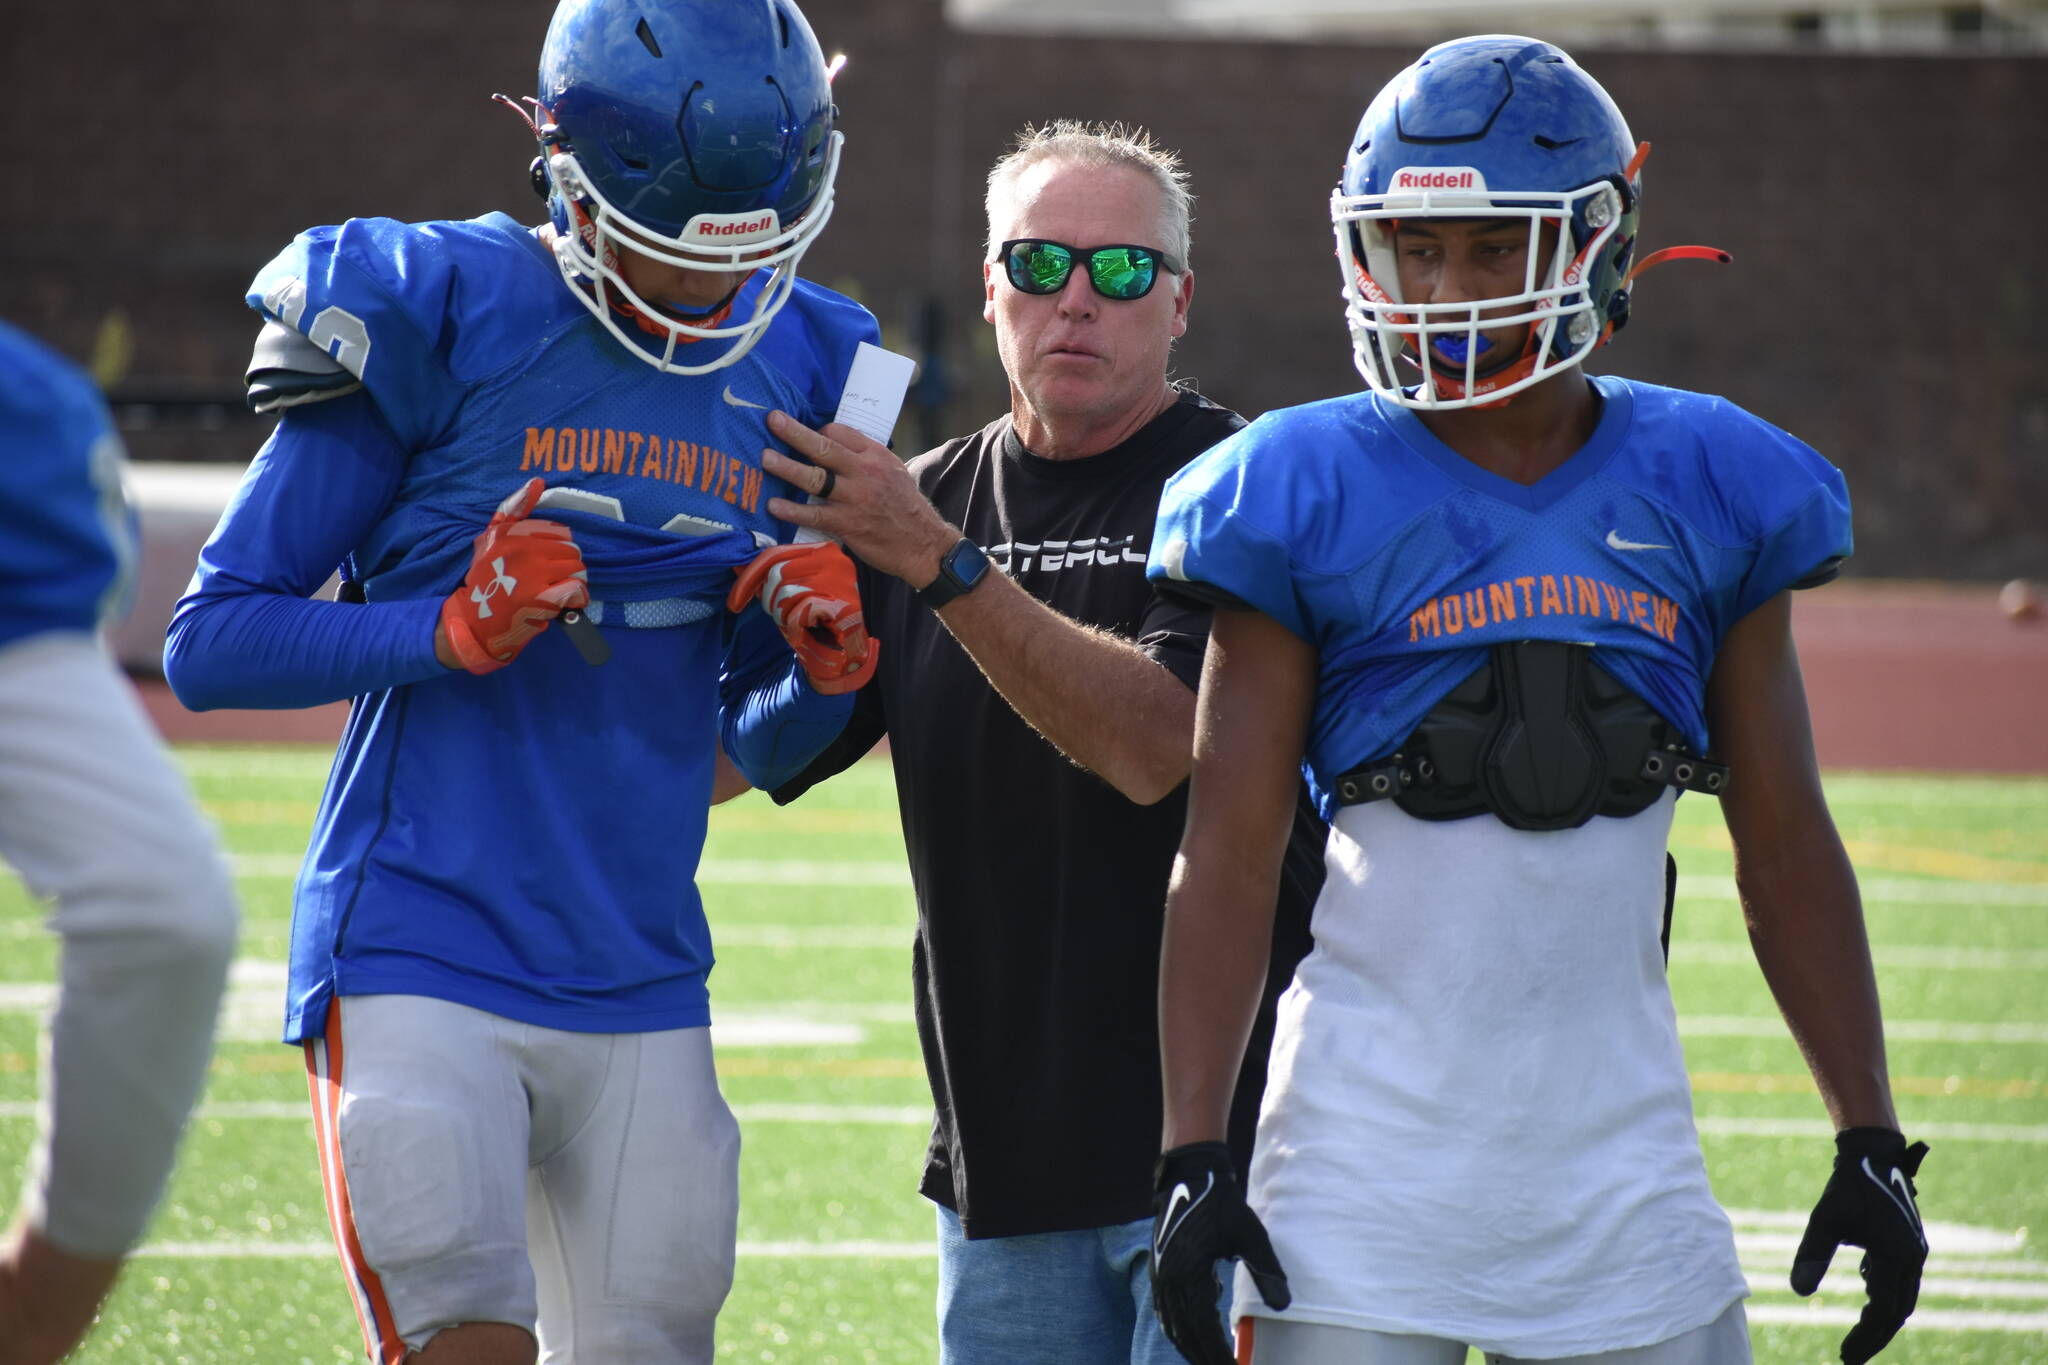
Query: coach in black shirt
{"points": [[1039, 701]]}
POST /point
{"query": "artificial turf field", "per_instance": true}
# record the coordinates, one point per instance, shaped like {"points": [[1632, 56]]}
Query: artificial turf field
{"points": [[819, 1059]]}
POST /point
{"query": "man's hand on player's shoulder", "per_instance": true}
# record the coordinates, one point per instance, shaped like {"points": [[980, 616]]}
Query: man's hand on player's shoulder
{"points": [[861, 496]]}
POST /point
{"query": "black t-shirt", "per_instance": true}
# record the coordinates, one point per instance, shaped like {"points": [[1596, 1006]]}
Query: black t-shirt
{"points": [[1040, 888]]}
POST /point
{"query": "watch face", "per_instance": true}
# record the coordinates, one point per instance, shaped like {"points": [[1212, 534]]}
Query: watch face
{"points": [[968, 563]]}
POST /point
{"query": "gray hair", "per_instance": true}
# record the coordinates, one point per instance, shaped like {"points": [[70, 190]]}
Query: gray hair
{"points": [[1097, 146]]}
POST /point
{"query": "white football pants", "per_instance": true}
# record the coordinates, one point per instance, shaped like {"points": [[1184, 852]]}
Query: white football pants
{"points": [[1276, 1341], [483, 1170]]}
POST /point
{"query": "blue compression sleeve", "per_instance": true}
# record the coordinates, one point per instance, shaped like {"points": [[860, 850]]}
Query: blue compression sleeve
{"points": [[246, 633], [772, 721]]}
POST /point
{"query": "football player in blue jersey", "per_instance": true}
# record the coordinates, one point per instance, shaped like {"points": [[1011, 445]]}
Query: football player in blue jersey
{"points": [[499, 957], [1505, 612], [94, 816]]}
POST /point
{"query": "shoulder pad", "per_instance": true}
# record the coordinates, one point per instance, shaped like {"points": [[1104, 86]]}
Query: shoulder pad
{"points": [[287, 369], [415, 311]]}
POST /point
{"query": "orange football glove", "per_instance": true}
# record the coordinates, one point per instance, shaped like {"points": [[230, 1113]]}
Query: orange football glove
{"points": [[522, 575], [809, 592]]}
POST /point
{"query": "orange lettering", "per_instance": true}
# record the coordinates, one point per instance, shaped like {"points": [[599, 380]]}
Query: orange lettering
{"points": [[684, 471], [614, 450], [1502, 595], [750, 491], [1528, 604], [1454, 615], [540, 449], [1639, 609], [1553, 605], [1589, 596], [650, 464], [1475, 607], [1667, 618], [1613, 595], [1425, 621]]}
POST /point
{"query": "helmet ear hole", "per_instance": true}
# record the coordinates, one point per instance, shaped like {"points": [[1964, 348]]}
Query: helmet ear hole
{"points": [[537, 176]]}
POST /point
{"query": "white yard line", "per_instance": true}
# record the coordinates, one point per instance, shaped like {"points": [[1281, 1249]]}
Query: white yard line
{"points": [[1687, 952], [1895, 1030], [1924, 1319], [2029, 1133], [1894, 891]]}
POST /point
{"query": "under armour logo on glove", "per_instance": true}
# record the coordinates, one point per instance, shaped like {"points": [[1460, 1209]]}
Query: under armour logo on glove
{"points": [[1869, 1202], [1200, 1218], [499, 582], [533, 570]]}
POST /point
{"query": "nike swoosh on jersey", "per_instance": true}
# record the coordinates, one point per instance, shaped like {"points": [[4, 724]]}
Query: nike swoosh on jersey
{"points": [[1615, 542], [735, 401]]}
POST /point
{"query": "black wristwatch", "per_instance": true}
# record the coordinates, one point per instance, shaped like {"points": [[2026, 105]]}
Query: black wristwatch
{"points": [[960, 568]]}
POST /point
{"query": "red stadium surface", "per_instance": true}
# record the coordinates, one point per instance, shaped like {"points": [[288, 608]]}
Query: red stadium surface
{"points": [[1928, 677]]}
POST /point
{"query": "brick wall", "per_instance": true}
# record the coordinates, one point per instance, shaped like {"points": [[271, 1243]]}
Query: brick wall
{"points": [[1887, 301]]}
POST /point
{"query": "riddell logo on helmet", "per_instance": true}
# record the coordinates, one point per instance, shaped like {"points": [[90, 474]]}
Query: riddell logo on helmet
{"points": [[1437, 178], [712, 226]]}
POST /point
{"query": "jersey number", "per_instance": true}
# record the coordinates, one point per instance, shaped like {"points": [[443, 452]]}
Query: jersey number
{"points": [[335, 330]]}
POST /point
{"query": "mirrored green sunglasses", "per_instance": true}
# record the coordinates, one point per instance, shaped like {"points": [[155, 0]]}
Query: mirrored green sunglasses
{"points": [[1037, 266]]}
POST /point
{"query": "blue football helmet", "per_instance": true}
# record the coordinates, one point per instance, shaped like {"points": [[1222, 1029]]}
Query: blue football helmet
{"points": [[697, 133], [1490, 127]]}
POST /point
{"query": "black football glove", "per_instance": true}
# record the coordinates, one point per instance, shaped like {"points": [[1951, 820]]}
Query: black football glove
{"points": [[1200, 1218], [1868, 1203]]}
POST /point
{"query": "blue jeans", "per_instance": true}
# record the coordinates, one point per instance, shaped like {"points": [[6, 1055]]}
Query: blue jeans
{"points": [[1051, 1298]]}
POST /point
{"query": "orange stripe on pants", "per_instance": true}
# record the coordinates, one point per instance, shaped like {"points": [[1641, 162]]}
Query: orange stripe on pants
{"points": [[1244, 1340], [373, 1310]]}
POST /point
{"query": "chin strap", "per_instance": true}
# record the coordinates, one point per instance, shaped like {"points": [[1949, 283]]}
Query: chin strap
{"points": [[524, 116], [1679, 253], [1669, 253], [713, 317]]}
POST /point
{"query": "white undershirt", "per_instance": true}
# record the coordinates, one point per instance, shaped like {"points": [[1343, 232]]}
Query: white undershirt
{"points": [[95, 817], [1477, 1121]]}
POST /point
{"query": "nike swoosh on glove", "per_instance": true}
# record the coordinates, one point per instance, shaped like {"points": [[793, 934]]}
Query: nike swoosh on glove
{"points": [[809, 591], [522, 574], [1869, 1202], [1200, 1218]]}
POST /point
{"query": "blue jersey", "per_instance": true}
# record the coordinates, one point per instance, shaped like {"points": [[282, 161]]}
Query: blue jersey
{"points": [[67, 550], [523, 842], [1401, 561]]}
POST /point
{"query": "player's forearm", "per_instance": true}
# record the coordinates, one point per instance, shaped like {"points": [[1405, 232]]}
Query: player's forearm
{"points": [[1212, 967], [268, 650], [1257, 692], [772, 731], [1100, 699], [1806, 926]]}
